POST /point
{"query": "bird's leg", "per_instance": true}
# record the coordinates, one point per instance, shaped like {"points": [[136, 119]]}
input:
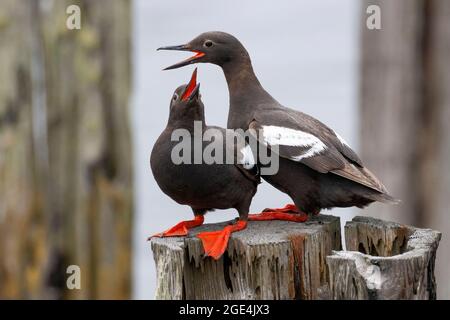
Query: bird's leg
{"points": [[215, 242], [181, 229], [289, 208], [289, 213]]}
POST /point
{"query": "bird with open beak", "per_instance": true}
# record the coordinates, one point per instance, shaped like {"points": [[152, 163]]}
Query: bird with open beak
{"points": [[203, 186], [317, 167]]}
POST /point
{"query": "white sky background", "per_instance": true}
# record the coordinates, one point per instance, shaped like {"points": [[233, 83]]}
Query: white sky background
{"points": [[305, 54]]}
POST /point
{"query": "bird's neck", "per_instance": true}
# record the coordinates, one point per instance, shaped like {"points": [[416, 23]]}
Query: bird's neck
{"points": [[187, 119], [245, 90], [241, 77]]}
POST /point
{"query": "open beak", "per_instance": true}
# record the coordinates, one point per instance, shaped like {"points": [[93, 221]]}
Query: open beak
{"points": [[194, 93], [192, 89], [183, 47]]}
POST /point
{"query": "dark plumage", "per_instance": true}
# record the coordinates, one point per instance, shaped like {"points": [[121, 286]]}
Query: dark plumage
{"points": [[203, 187], [317, 168]]}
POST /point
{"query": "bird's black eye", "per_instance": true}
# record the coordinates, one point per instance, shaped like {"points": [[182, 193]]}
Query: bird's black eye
{"points": [[208, 43], [175, 97]]}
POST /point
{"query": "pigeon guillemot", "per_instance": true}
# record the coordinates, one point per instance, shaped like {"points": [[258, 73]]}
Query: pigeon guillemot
{"points": [[203, 186], [317, 168]]}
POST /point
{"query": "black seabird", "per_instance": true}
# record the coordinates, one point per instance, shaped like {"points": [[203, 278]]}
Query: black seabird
{"points": [[203, 186], [317, 167]]}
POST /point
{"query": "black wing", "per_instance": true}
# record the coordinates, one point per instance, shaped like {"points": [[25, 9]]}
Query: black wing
{"points": [[302, 138]]}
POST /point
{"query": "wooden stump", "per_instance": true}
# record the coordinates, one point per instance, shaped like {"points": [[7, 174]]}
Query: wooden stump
{"points": [[394, 262], [268, 260]]}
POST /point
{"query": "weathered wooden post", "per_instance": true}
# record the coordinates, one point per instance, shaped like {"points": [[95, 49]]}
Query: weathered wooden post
{"points": [[287, 260], [386, 261], [268, 260]]}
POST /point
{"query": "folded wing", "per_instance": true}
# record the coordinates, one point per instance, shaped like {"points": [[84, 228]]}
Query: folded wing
{"points": [[301, 138]]}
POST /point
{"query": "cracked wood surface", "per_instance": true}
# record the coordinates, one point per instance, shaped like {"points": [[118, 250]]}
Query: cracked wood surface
{"points": [[286, 260], [268, 260], [394, 262]]}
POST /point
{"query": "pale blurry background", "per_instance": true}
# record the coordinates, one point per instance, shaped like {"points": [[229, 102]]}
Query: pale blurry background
{"points": [[81, 109]]}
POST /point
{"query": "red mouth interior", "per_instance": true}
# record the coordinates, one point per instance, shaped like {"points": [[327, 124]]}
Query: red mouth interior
{"points": [[191, 86], [198, 54]]}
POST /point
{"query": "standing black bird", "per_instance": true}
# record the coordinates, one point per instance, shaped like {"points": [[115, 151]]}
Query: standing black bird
{"points": [[203, 186], [317, 168]]}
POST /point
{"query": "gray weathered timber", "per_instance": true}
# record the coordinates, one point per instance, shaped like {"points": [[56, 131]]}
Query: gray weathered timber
{"points": [[394, 262], [268, 260]]}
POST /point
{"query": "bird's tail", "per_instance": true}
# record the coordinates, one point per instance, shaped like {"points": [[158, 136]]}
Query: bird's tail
{"points": [[385, 198]]}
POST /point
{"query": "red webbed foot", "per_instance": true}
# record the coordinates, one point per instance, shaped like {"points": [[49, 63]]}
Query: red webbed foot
{"points": [[215, 242], [289, 213], [289, 208], [180, 229]]}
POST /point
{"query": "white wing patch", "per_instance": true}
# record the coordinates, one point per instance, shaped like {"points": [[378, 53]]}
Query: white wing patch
{"points": [[247, 161], [341, 139], [274, 135]]}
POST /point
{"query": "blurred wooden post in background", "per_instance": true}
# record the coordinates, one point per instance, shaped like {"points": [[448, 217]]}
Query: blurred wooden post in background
{"points": [[65, 149], [405, 114]]}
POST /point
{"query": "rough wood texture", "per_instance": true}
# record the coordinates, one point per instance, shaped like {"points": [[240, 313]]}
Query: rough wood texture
{"points": [[268, 260], [394, 262], [65, 149]]}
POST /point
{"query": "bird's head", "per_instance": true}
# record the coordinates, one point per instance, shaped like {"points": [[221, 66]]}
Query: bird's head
{"points": [[214, 47], [186, 100]]}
